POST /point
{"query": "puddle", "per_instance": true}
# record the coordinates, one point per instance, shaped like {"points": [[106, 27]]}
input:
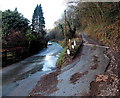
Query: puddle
{"points": [[30, 72], [29, 69]]}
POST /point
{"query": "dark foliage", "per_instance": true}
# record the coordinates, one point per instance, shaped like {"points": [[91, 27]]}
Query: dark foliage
{"points": [[13, 21], [38, 23]]}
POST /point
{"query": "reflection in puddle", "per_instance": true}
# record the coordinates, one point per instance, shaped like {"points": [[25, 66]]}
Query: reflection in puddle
{"points": [[30, 72], [47, 57], [30, 69], [50, 62]]}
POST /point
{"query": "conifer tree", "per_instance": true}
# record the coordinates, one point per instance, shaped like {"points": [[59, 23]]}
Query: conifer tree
{"points": [[38, 23]]}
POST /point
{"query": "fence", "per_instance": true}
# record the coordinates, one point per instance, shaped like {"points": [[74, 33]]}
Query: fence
{"points": [[13, 55]]}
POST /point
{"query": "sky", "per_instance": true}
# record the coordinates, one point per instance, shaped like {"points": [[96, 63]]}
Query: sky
{"points": [[53, 9]]}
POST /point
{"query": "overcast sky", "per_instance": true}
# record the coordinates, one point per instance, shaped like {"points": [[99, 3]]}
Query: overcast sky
{"points": [[53, 9]]}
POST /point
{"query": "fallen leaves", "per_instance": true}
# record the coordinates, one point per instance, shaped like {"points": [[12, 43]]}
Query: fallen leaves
{"points": [[101, 78], [104, 78]]}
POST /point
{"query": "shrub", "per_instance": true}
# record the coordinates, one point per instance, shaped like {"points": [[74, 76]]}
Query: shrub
{"points": [[30, 37]]}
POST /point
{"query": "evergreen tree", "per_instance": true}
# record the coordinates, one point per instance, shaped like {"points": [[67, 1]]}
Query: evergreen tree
{"points": [[13, 21], [38, 23]]}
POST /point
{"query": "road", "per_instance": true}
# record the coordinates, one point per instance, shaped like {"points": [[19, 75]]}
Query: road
{"points": [[20, 78], [75, 78], [34, 76]]}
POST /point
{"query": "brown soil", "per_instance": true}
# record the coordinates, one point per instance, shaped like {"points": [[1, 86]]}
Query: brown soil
{"points": [[107, 84], [75, 77], [46, 85]]}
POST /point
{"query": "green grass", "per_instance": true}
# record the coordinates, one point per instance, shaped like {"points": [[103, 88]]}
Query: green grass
{"points": [[60, 44], [61, 58], [64, 58]]}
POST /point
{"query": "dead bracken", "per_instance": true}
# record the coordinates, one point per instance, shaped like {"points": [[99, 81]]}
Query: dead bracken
{"points": [[101, 78]]}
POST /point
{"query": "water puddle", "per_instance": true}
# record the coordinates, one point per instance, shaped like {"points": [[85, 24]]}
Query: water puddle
{"points": [[30, 72], [29, 69]]}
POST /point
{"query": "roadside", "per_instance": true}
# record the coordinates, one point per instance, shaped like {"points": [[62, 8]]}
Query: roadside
{"points": [[71, 50], [107, 83]]}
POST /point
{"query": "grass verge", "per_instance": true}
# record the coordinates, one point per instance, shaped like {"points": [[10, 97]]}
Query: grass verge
{"points": [[61, 58], [64, 59]]}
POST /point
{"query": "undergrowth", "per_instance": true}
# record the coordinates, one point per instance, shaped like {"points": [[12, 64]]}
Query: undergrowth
{"points": [[107, 34]]}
